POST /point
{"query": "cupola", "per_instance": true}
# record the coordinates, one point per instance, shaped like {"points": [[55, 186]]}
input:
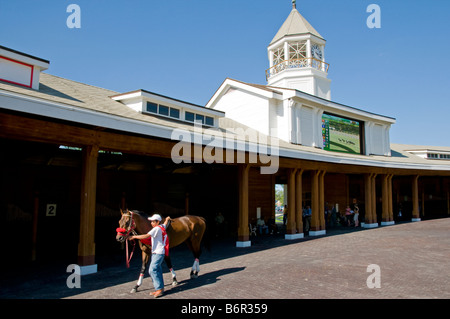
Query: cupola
{"points": [[297, 57]]}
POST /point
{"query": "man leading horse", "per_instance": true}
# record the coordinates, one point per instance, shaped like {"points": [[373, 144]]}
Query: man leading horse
{"points": [[189, 229], [160, 248]]}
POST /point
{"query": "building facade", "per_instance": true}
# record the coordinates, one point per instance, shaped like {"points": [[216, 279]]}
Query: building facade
{"points": [[74, 154]]}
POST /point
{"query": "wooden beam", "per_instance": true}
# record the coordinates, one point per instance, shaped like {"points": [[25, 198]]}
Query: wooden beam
{"points": [[37, 129], [299, 201], [315, 221], [374, 198], [385, 198], [322, 200], [356, 169], [370, 200], [243, 226], [391, 205], [367, 199], [291, 225], [86, 247]]}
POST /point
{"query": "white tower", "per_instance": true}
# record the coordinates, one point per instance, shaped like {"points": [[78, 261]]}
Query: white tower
{"points": [[297, 57]]}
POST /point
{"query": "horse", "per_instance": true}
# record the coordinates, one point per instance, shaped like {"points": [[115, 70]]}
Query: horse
{"points": [[189, 229]]}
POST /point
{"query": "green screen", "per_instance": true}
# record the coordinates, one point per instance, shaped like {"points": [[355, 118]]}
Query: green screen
{"points": [[341, 134]]}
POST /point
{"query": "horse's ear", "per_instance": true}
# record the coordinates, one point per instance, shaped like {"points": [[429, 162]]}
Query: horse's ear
{"points": [[121, 212]]}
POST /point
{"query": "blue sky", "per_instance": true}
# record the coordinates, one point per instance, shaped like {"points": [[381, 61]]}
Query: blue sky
{"points": [[186, 49]]}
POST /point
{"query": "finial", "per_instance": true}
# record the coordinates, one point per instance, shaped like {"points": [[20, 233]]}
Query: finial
{"points": [[294, 6]]}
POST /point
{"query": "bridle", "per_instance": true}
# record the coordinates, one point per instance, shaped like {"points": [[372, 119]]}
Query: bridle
{"points": [[131, 226], [126, 233]]}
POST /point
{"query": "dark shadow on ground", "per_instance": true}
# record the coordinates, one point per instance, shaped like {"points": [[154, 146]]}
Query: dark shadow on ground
{"points": [[202, 280], [42, 280]]}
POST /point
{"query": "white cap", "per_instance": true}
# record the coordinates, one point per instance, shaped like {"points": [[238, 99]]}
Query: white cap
{"points": [[155, 217]]}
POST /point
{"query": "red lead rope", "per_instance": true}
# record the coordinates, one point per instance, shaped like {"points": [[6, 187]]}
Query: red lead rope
{"points": [[128, 259], [125, 233]]}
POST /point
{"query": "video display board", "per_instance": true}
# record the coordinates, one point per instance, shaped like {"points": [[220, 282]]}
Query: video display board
{"points": [[341, 134]]}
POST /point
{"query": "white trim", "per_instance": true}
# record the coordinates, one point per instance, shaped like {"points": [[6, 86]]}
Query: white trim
{"points": [[296, 38], [373, 225], [334, 157], [415, 219], [317, 232], [145, 96], [243, 244], [79, 115], [18, 102], [331, 106], [87, 270], [228, 83], [293, 236], [388, 223], [28, 59]]}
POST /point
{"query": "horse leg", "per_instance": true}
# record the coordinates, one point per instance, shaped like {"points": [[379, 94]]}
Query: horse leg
{"points": [[174, 275], [145, 259], [196, 250], [195, 269]]}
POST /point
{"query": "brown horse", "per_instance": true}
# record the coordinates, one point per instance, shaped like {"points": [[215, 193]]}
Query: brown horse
{"points": [[189, 229]]}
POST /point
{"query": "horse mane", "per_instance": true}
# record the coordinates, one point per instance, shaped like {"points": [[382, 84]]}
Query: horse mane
{"points": [[140, 213]]}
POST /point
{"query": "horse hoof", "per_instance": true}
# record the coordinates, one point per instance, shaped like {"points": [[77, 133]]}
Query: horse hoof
{"points": [[174, 283], [134, 290]]}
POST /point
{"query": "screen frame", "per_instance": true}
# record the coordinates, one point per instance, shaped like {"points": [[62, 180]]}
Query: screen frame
{"points": [[361, 133]]}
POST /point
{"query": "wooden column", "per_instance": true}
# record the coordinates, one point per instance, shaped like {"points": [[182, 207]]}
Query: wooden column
{"points": [[391, 205], [384, 199], [86, 246], [374, 199], [290, 229], [294, 222], [315, 201], [370, 219], [322, 200], [367, 199], [387, 210], [299, 201], [316, 197], [243, 230], [415, 199]]}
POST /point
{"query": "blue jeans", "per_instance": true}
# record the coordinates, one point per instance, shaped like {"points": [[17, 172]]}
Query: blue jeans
{"points": [[155, 271]]}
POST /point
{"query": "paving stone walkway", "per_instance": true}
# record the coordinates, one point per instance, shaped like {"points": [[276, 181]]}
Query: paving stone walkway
{"points": [[413, 261]]}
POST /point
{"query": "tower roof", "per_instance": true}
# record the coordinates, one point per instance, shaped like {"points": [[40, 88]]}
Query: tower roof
{"points": [[295, 24]]}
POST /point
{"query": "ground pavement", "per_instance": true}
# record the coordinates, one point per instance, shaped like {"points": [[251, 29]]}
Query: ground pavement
{"points": [[411, 261]]}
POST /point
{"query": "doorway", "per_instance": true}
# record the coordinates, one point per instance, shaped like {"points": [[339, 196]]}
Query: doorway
{"points": [[280, 202]]}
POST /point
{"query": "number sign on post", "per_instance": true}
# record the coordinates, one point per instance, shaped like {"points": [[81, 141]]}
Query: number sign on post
{"points": [[51, 210]]}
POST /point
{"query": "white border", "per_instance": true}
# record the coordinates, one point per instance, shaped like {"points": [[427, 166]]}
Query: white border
{"points": [[293, 236], [243, 244]]}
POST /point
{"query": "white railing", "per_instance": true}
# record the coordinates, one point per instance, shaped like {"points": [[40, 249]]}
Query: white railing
{"points": [[296, 64]]}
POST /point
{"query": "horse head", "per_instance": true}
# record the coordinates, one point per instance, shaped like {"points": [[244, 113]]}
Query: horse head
{"points": [[126, 225]]}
